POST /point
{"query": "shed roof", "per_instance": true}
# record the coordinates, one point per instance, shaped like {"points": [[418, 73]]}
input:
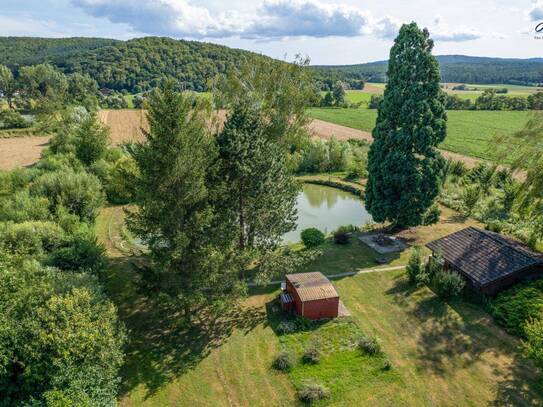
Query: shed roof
{"points": [[312, 286], [483, 256]]}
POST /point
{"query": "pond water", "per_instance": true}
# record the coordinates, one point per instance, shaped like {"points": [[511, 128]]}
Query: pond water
{"points": [[326, 208]]}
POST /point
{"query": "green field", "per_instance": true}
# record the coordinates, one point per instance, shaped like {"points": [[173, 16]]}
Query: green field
{"points": [[469, 132], [445, 354]]}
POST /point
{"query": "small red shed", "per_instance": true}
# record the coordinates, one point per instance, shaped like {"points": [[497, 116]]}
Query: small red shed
{"points": [[310, 295]]}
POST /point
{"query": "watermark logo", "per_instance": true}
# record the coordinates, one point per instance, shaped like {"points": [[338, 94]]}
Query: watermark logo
{"points": [[539, 31]]}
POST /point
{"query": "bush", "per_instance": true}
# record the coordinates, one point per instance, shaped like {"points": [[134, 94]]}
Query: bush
{"points": [[32, 238], [11, 119], [387, 364], [431, 216], [61, 339], [79, 192], [312, 237], [21, 207], [447, 284], [284, 361], [341, 237], [369, 345], [84, 254], [533, 346], [513, 307], [91, 140], [311, 392], [415, 266], [311, 355], [286, 327]]}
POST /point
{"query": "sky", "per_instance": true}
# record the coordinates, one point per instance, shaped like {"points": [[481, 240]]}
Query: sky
{"points": [[328, 32]]}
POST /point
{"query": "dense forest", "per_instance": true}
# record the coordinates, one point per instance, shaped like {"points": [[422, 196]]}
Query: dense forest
{"points": [[135, 65], [454, 68], [141, 64]]}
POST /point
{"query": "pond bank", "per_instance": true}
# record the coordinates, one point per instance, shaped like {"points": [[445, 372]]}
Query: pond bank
{"points": [[334, 182]]}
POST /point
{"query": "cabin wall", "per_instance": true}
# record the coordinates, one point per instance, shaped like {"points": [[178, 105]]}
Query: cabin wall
{"points": [[319, 309]]}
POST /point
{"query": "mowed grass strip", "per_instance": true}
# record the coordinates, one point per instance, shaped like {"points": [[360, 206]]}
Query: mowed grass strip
{"points": [[469, 132]]}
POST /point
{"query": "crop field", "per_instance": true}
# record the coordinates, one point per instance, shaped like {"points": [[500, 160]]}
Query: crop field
{"points": [[125, 124], [469, 131], [21, 151]]}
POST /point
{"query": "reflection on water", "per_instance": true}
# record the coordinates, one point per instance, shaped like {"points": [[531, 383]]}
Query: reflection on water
{"points": [[326, 209]]}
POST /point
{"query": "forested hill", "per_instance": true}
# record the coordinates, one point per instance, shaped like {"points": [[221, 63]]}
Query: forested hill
{"points": [[454, 68], [18, 51], [135, 65]]}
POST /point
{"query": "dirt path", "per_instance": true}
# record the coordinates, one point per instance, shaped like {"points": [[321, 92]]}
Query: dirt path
{"points": [[21, 151]]}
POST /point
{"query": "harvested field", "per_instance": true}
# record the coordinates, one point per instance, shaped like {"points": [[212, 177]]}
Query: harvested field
{"points": [[125, 124], [21, 151], [327, 130]]}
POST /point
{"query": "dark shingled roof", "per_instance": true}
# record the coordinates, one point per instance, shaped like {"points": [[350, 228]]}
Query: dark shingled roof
{"points": [[312, 286], [484, 256]]}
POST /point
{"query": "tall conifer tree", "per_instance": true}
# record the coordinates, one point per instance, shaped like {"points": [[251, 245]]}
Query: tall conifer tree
{"points": [[403, 163]]}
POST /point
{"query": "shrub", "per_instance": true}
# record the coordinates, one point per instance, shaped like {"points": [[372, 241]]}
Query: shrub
{"points": [[387, 364], [91, 140], [415, 266], [286, 327], [84, 254], [533, 346], [311, 355], [21, 207], [60, 340], [284, 361], [431, 216], [341, 237], [311, 392], [312, 237], [79, 192], [369, 345], [33, 238], [470, 197], [11, 119], [447, 284], [513, 307]]}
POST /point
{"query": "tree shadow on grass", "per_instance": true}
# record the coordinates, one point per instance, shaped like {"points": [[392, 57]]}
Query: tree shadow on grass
{"points": [[161, 345], [458, 333]]}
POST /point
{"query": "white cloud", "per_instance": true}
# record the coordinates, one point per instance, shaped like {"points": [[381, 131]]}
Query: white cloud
{"points": [[536, 13], [271, 20], [19, 26]]}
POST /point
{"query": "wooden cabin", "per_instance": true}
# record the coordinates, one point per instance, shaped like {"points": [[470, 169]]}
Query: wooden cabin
{"points": [[310, 295], [489, 262]]}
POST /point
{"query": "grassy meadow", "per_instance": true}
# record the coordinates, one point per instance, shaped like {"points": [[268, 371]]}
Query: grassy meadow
{"points": [[469, 132], [442, 353]]}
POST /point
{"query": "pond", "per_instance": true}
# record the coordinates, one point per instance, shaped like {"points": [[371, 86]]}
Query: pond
{"points": [[326, 208]]}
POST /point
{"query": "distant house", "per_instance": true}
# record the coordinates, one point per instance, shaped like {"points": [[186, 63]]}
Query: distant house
{"points": [[310, 295], [488, 261]]}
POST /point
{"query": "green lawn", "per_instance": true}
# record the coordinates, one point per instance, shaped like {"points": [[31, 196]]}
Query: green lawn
{"points": [[445, 354], [469, 132]]}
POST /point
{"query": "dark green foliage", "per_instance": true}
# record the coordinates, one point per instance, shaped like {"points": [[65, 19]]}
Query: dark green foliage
{"points": [[60, 338], [338, 92], [454, 102], [311, 355], [341, 237], [91, 140], [82, 254], [447, 284], [454, 68], [535, 101], [260, 193], [8, 85], [415, 266], [375, 101], [470, 197], [491, 100], [404, 165], [284, 361], [79, 193], [369, 345], [515, 306], [312, 237], [327, 100], [191, 250], [311, 392], [533, 346], [114, 101]]}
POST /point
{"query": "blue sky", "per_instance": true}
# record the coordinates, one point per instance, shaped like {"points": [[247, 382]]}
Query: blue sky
{"points": [[329, 32]]}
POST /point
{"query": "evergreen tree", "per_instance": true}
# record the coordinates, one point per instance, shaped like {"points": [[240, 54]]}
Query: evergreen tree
{"points": [[339, 94], [403, 162], [174, 217], [260, 193]]}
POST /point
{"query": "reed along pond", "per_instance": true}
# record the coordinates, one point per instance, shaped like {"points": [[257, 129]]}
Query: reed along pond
{"points": [[326, 209]]}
